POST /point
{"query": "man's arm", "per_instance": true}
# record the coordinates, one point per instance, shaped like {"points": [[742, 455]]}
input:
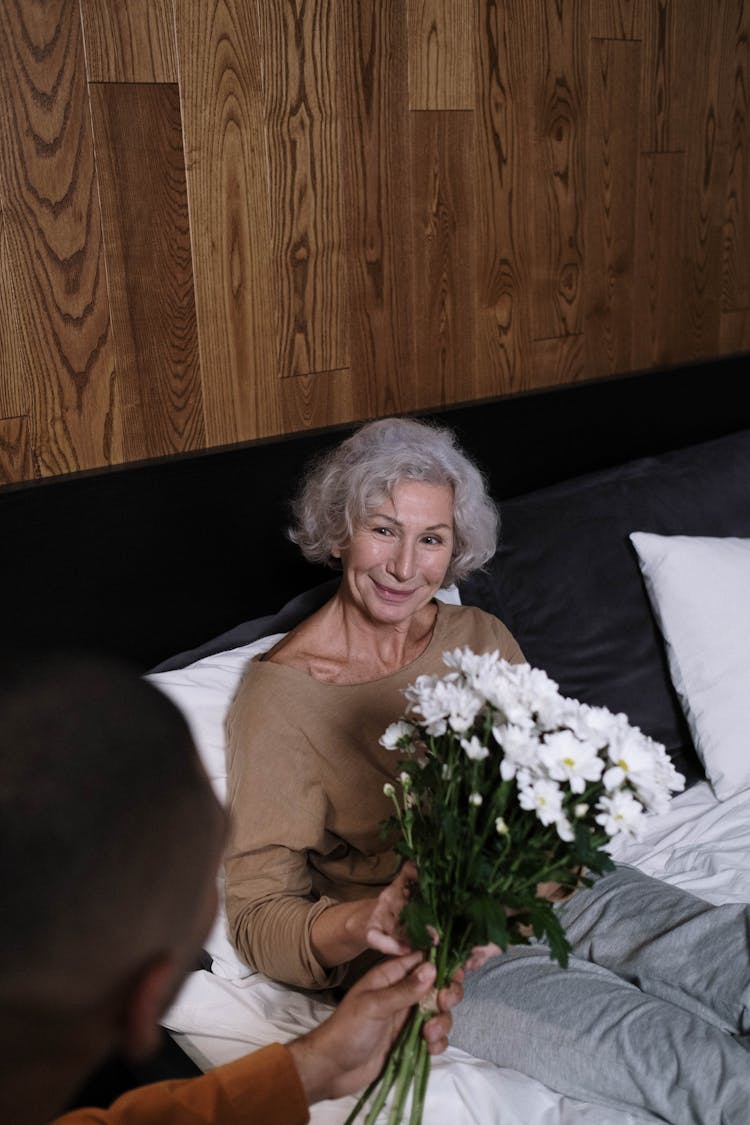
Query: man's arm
{"points": [[276, 1084]]}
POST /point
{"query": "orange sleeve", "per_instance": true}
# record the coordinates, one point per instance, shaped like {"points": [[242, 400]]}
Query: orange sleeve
{"points": [[262, 1088]]}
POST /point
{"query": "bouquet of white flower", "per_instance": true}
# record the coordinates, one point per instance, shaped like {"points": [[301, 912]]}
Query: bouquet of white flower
{"points": [[506, 785]]}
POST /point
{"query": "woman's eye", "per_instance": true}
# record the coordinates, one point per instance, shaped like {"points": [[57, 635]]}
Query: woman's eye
{"points": [[432, 540], [382, 531]]}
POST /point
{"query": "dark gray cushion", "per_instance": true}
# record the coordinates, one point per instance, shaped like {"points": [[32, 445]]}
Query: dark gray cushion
{"points": [[566, 582], [288, 616]]}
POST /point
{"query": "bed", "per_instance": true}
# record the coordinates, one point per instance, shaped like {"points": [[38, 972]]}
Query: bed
{"points": [[182, 567]]}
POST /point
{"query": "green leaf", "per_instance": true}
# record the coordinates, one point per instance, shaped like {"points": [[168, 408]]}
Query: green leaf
{"points": [[490, 922]]}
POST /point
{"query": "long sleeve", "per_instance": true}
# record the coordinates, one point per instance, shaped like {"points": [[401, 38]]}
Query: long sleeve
{"points": [[259, 1089]]}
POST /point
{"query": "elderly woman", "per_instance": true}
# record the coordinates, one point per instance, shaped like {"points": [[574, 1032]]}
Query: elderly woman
{"points": [[313, 891]]}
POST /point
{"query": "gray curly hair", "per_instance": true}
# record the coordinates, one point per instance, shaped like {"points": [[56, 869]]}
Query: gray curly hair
{"points": [[349, 482]]}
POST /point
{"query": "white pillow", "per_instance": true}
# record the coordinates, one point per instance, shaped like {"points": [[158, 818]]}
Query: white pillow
{"points": [[699, 589], [203, 692]]}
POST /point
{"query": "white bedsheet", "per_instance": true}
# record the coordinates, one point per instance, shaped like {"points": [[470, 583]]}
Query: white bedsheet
{"points": [[700, 844]]}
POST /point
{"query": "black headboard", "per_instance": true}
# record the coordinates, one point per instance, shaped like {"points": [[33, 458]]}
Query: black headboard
{"points": [[153, 559]]}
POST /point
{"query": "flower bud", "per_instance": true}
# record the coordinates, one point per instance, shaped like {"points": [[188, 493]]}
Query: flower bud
{"points": [[475, 799]]}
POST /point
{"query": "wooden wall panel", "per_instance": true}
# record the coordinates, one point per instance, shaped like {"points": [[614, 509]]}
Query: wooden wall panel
{"points": [[612, 148], [52, 238], [706, 170], [314, 212], [145, 213], [227, 175], [441, 71], [307, 218], [560, 37], [15, 450], [616, 19], [658, 268], [734, 114], [444, 256], [374, 87], [129, 40], [503, 180]]}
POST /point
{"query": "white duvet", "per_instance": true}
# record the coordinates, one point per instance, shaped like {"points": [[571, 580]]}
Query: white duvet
{"points": [[700, 844]]}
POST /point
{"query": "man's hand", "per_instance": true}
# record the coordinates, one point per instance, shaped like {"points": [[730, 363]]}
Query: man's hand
{"points": [[348, 1050]]}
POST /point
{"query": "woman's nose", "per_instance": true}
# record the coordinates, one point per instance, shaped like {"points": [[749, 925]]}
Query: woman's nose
{"points": [[401, 562]]}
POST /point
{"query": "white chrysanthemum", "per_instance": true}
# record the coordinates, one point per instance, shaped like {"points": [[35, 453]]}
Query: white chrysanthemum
{"points": [[564, 829], [474, 749], [543, 796], [520, 749], [632, 760], [394, 733], [566, 758], [619, 813]]}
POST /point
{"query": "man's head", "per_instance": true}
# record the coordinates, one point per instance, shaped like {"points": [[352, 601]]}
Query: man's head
{"points": [[110, 838]]}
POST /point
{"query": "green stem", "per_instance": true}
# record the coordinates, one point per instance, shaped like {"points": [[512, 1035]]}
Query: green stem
{"points": [[421, 1077], [406, 1067]]}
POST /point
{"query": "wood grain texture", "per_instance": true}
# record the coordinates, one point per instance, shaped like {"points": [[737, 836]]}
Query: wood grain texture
{"points": [[734, 121], [222, 113], [734, 331], [559, 44], [324, 399], [374, 91], [145, 214], [129, 40], [15, 380], [52, 242], [617, 19], [659, 291], [15, 451], [503, 182], [559, 360], [612, 145], [706, 170], [444, 256], [300, 78], [440, 38]]}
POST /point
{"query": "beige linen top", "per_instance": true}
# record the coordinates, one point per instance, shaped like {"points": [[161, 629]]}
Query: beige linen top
{"points": [[306, 776]]}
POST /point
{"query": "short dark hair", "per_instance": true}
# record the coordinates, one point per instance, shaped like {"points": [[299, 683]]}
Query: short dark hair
{"points": [[104, 809]]}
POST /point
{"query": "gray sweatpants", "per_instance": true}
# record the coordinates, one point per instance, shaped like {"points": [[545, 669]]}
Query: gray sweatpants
{"points": [[653, 1012]]}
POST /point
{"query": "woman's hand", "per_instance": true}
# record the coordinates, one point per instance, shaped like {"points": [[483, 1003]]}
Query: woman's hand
{"points": [[383, 930], [347, 929]]}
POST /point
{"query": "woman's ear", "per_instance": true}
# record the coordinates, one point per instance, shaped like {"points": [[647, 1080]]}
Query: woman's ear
{"points": [[146, 1000]]}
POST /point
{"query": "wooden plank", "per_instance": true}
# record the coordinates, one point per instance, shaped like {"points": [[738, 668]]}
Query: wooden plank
{"points": [[658, 298], [557, 201], [704, 191], [15, 452], [503, 176], [612, 146], [558, 360], [300, 79], [145, 215], [734, 332], [129, 40], [53, 245], [616, 19], [313, 401], [227, 177], [14, 372], [375, 168], [444, 256], [441, 54], [734, 133]]}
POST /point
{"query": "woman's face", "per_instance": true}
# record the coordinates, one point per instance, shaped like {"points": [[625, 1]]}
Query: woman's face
{"points": [[397, 559]]}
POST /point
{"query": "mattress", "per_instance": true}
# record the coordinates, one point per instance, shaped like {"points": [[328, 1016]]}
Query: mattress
{"points": [[700, 844]]}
